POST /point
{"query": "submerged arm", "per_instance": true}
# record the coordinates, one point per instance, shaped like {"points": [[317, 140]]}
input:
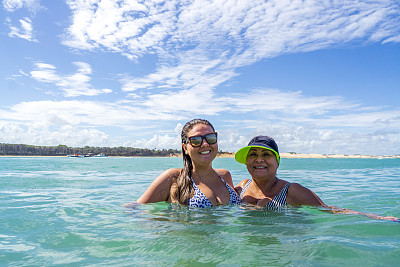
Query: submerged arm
{"points": [[299, 195], [334, 209]]}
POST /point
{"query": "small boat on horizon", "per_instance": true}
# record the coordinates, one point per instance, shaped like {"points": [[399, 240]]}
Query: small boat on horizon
{"points": [[100, 156], [76, 155]]}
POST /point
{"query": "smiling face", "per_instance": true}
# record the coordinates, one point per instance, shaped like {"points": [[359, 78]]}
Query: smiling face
{"points": [[261, 163], [205, 153]]}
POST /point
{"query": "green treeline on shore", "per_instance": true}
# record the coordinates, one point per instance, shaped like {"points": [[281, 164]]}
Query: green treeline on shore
{"points": [[63, 150]]}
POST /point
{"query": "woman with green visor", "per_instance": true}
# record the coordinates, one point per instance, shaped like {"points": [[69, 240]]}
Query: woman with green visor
{"points": [[261, 157]]}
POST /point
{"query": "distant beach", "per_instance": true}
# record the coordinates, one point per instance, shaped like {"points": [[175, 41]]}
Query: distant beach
{"points": [[338, 156], [23, 150], [292, 155]]}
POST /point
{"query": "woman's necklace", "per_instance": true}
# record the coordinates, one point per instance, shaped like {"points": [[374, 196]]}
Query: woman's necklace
{"points": [[202, 178]]}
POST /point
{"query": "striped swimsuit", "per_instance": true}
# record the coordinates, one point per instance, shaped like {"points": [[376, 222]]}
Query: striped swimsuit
{"points": [[277, 203], [199, 200]]}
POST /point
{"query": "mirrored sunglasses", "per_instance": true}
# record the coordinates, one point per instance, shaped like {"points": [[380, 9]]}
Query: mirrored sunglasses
{"points": [[196, 141]]}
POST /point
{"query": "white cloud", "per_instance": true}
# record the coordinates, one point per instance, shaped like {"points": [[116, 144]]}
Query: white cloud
{"points": [[73, 85], [285, 102], [74, 123], [157, 141], [198, 41], [21, 133], [25, 31], [276, 104], [372, 120], [186, 102], [308, 138], [199, 46], [126, 115], [12, 5], [74, 113], [299, 123], [123, 26]]}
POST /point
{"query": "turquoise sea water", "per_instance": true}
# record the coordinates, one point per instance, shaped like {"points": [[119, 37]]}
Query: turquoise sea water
{"points": [[68, 212]]}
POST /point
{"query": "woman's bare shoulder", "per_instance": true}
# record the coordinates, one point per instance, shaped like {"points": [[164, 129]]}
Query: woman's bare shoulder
{"points": [[173, 172], [225, 175], [159, 189], [300, 195], [298, 188]]}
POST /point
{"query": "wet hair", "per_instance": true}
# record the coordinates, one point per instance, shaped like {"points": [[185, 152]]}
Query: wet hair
{"points": [[184, 188]]}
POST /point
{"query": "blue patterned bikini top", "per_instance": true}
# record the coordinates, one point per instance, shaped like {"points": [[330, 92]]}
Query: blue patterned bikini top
{"points": [[201, 201], [278, 202]]}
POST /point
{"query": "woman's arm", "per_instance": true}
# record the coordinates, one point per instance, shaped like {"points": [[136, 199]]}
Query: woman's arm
{"points": [[334, 209], [159, 190], [300, 195]]}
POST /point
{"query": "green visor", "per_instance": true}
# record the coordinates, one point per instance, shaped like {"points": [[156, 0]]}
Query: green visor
{"points": [[241, 155]]}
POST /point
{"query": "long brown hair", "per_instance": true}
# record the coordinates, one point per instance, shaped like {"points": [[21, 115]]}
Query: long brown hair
{"points": [[184, 187]]}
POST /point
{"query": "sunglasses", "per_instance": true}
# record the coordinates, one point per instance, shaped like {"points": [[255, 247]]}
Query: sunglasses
{"points": [[196, 141]]}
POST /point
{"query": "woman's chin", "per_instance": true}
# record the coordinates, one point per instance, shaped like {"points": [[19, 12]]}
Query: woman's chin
{"points": [[206, 157]]}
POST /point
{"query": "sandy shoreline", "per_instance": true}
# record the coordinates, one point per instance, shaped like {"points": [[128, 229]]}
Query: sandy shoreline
{"points": [[283, 155], [338, 156], [321, 156]]}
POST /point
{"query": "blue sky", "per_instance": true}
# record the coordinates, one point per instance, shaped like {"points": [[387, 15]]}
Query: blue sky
{"points": [[318, 76]]}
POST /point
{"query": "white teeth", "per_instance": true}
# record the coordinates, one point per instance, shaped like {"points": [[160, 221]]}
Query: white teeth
{"points": [[205, 152], [260, 167]]}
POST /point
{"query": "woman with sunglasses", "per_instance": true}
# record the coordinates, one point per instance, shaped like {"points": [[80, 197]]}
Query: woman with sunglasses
{"points": [[197, 184]]}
